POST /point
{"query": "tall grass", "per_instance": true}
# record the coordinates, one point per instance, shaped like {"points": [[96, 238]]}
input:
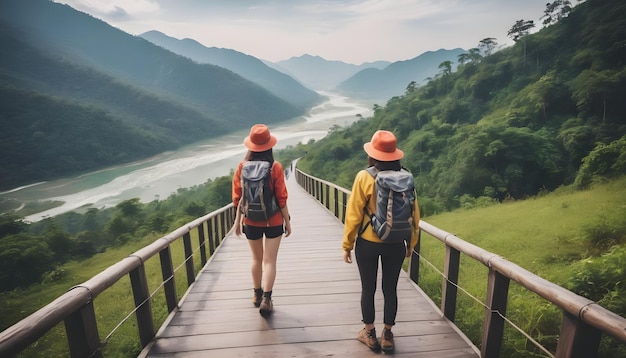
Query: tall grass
{"points": [[545, 235]]}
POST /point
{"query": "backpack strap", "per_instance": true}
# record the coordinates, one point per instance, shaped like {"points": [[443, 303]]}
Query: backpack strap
{"points": [[373, 172], [244, 189]]}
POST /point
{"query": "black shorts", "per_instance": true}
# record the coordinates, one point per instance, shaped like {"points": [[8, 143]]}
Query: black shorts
{"points": [[257, 232]]}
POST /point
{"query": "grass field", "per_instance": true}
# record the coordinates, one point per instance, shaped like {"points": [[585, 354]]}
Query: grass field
{"points": [[545, 235]]}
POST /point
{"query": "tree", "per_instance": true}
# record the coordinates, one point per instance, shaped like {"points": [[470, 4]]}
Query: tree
{"points": [[463, 58], [475, 55], [130, 207], [591, 89], [23, 258], [555, 11], [410, 88], [519, 31], [487, 45], [605, 161], [59, 242], [11, 224], [446, 68]]}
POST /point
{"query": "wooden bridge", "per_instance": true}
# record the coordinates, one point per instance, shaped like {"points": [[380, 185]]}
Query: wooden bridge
{"points": [[316, 302], [316, 297]]}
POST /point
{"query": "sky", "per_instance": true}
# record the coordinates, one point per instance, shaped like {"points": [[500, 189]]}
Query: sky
{"points": [[352, 31]]}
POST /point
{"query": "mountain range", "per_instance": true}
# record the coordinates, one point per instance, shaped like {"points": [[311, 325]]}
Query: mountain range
{"points": [[392, 80], [321, 74], [378, 80], [249, 67], [79, 94]]}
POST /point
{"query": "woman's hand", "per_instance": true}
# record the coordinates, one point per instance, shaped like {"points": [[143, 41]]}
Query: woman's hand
{"points": [[238, 222], [347, 256], [287, 227]]}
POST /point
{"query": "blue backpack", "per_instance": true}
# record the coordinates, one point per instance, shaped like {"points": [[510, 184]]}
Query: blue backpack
{"points": [[395, 205], [258, 202]]}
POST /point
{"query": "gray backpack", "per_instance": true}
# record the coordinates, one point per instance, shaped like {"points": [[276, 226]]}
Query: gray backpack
{"points": [[258, 202], [395, 198]]}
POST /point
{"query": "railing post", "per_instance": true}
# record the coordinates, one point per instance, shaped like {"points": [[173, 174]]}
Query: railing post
{"points": [[202, 244], [336, 195], [143, 303], [327, 197], [577, 339], [414, 264], [210, 234], [318, 195], [451, 277], [82, 332], [344, 198], [493, 325], [169, 285], [191, 277]]}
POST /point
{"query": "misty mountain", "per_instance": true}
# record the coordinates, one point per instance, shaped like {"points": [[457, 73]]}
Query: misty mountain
{"points": [[320, 74], [382, 84], [78, 94], [247, 66], [91, 42]]}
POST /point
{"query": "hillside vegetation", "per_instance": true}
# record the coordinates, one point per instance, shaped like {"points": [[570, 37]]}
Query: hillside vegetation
{"points": [[79, 95], [547, 112]]}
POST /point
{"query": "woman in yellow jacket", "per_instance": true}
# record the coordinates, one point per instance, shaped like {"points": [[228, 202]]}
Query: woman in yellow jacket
{"points": [[384, 155]]}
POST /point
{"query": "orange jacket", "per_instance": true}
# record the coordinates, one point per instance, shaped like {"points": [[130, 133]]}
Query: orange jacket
{"points": [[278, 186]]}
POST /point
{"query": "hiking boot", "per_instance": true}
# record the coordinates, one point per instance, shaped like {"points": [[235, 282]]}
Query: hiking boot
{"points": [[369, 339], [386, 340], [266, 307], [258, 297]]}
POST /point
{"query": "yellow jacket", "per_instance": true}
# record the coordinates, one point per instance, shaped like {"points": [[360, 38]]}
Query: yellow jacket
{"points": [[363, 190]]}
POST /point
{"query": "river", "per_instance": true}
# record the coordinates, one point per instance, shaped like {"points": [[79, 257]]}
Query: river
{"points": [[160, 176]]}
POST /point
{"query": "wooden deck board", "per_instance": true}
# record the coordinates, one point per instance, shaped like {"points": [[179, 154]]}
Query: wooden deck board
{"points": [[316, 303]]}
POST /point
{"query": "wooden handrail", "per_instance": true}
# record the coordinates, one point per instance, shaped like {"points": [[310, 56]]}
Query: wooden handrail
{"points": [[75, 307], [583, 320]]}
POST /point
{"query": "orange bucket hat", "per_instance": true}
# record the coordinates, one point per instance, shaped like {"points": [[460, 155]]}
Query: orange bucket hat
{"points": [[260, 138], [383, 147]]}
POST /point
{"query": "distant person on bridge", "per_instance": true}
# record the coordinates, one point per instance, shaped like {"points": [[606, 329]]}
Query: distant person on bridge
{"points": [[263, 234], [383, 156]]}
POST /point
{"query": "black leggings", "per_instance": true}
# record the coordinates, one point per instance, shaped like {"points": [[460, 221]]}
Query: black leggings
{"points": [[391, 257]]}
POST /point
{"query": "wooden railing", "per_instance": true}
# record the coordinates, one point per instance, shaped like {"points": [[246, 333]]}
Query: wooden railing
{"points": [[76, 307], [583, 320]]}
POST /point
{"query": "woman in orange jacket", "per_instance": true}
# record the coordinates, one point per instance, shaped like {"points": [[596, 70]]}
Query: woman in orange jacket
{"points": [[263, 235]]}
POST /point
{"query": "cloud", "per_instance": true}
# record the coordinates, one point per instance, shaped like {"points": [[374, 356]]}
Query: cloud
{"points": [[114, 9], [353, 31]]}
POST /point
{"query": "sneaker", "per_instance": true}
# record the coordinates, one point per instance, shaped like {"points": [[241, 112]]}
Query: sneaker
{"points": [[369, 339], [266, 307], [386, 340], [258, 297]]}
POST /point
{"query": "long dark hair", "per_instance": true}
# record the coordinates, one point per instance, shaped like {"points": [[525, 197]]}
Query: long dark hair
{"points": [[267, 156], [380, 165]]}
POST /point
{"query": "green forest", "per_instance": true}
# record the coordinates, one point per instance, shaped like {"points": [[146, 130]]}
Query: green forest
{"points": [[549, 111], [544, 117]]}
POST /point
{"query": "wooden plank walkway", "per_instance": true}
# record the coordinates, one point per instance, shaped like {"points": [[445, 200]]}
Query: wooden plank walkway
{"points": [[316, 303]]}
